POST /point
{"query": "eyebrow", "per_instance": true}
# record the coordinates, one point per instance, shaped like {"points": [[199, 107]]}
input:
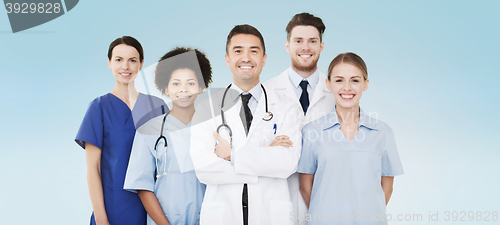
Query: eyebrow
{"points": [[238, 47], [343, 77], [297, 38], [187, 79], [122, 57]]}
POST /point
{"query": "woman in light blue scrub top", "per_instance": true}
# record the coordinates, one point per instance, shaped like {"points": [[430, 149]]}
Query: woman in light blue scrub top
{"points": [[349, 159], [107, 132], [175, 196]]}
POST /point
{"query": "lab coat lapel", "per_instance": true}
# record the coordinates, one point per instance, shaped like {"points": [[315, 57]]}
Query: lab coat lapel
{"points": [[284, 86], [232, 114], [261, 109], [320, 92]]}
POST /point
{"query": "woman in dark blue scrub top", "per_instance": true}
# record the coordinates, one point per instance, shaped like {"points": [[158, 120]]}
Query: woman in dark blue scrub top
{"points": [[107, 133]]}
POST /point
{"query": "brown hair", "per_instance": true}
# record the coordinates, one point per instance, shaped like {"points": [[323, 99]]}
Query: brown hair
{"points": [[350, 58], [127, 40], [245, 29], [305, 19]]}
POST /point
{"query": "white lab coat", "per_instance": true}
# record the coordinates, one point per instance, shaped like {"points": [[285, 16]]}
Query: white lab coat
{"points": [[264, 168], [322, 103]]}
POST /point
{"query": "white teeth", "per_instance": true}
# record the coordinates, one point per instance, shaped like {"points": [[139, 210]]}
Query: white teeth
{"points": [[347, 96], [245, 67], [184, 97], [125, 74], [305, 56]]}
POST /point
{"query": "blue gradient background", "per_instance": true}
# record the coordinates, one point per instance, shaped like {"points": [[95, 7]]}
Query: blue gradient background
{"points": [[431, 64]]}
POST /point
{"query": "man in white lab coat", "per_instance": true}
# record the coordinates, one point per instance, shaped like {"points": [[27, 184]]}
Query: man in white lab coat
{"points": [[304, 84], [246, 174]]}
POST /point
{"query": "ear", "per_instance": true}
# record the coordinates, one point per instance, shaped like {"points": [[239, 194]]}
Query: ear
{"points": [[322, 46], [140, 67], [166, 91], [328, 84], [366, 85], [109, 63], [227, 60], [264, 61], [287, 46]]}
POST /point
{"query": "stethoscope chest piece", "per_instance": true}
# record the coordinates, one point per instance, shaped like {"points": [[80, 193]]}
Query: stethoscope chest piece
{"points": [[268, 116]]}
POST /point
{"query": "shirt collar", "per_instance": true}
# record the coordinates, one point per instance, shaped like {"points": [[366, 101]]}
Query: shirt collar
{"points": [[295, 78], [255, 91], [332, 119]]}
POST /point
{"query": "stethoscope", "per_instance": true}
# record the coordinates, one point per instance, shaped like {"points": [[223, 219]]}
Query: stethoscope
{"points": [[165, 146], [267, 116]]}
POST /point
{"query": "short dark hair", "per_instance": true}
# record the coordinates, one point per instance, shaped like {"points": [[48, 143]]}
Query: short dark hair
{"points": [[164, 71], [350, 58], [245, 29], [305, 19], [130, 41]]}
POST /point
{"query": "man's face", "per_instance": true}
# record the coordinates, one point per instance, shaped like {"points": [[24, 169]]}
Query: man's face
{"points": [[245, 58], [304, 47]]}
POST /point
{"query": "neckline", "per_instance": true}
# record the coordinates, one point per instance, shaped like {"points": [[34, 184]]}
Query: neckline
{"points": [[131, 110]]}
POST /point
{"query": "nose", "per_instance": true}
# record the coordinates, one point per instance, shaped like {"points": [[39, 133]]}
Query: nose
{"points": [[125, 65], [347, 86], [246, 57], [183, 88]]}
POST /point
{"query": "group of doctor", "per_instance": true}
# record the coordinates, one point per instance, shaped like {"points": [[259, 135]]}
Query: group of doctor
{"points": [[296, 149]]}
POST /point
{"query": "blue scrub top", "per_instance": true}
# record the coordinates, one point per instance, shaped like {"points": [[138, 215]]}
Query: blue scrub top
{"points": [[109, 125], [347, 174], [179, 192]]}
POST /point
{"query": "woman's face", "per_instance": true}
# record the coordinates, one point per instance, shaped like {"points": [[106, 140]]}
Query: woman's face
{"points": [[347, 85], [183, 88], [124, 63]]}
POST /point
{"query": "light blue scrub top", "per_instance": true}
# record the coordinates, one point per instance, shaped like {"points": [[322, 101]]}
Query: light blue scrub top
{"points": [[179, 193], [347, 174]]}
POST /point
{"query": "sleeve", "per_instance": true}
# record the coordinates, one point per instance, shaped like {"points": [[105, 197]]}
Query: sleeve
{"points": [[92, 127], [391, 164], [209, 168], [141, 167], [308, 162], [276, 161]]}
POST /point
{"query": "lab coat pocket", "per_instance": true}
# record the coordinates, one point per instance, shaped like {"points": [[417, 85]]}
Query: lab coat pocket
{"points": [[281, 212], [212, 213]]}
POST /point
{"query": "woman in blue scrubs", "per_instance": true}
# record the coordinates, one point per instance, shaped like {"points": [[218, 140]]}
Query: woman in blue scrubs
{"points": [[107, 132], [175, 196], [349, 159]]}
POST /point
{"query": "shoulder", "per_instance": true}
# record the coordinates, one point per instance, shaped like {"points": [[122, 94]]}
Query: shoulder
{"points": [[155, 99], [375, 123], [277, 79], [152, 127], [318, 124], [98, 102]]}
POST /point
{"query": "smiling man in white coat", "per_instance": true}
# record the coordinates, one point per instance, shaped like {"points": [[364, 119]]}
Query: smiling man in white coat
{"points": [[305, 85], [246, 167]]}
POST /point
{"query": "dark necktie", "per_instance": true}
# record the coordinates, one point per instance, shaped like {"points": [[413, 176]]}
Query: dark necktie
{"points": [[304, 97], [245, 113], [246, 118]]}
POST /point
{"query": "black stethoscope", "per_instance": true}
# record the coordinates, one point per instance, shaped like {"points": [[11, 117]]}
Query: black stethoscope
{"points": [[268, 116], [164, 145]]}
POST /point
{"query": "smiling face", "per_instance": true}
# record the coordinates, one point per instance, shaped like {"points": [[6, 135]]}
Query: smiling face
{"points": [[245, 57], [124, 63], [347, 85], [304, 47], [183, 88]]}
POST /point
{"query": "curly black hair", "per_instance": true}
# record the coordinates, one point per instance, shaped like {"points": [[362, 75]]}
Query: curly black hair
{"points": [[165, 68]]}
